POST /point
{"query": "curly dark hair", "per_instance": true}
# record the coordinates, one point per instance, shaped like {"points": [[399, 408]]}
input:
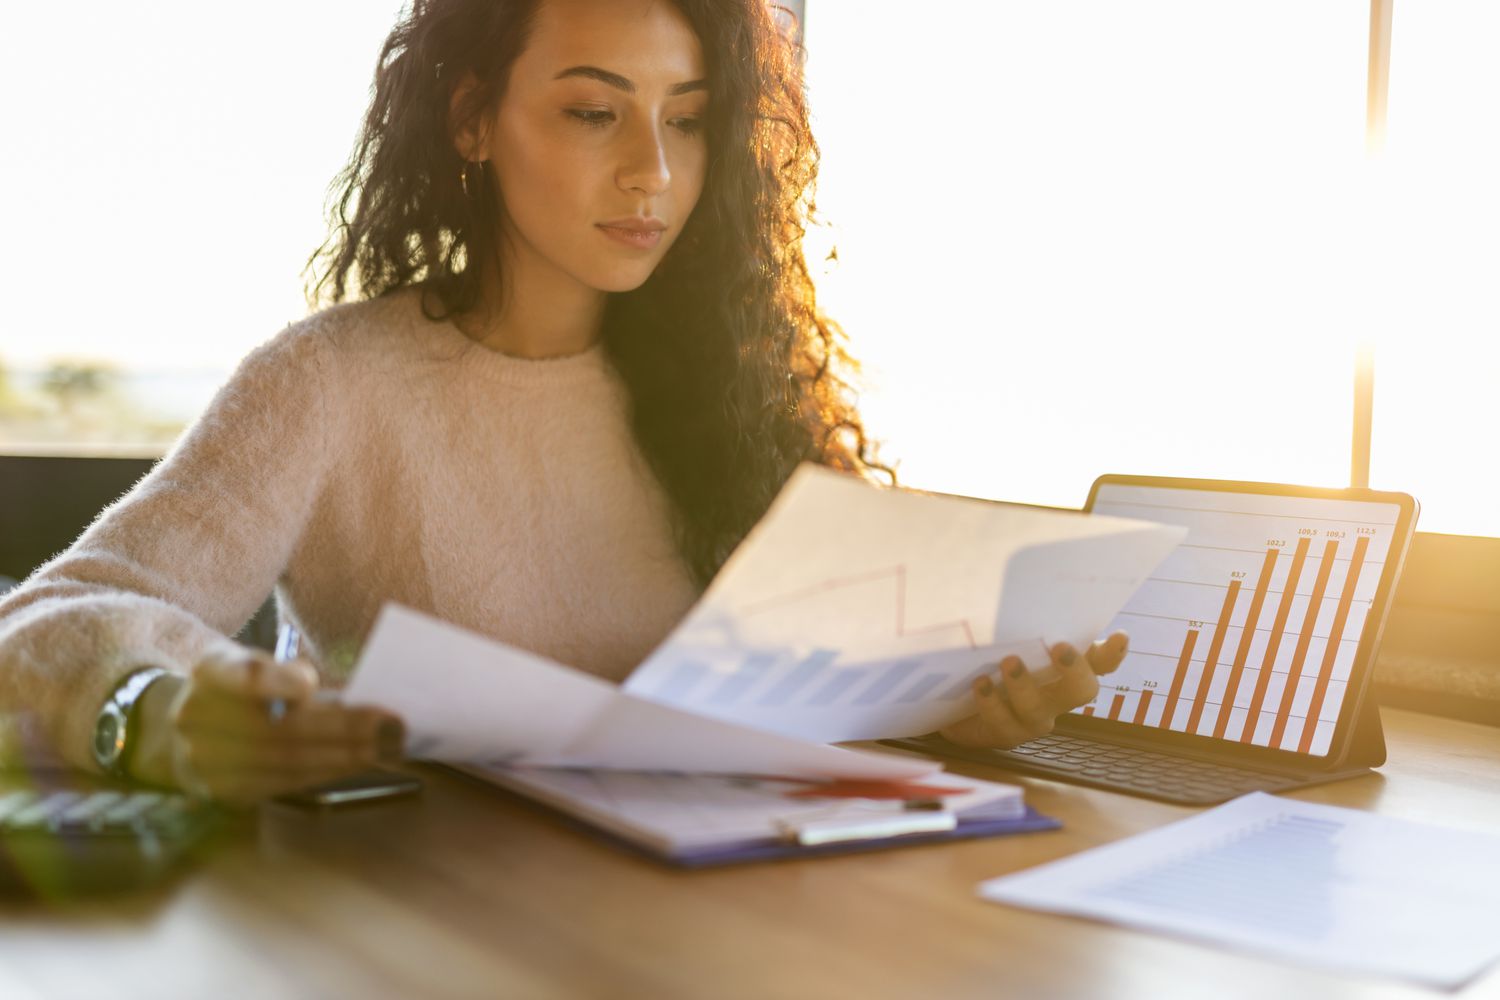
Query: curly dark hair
{"points": [[735, 375]]}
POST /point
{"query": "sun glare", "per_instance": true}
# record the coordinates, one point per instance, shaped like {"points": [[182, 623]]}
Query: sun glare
{"points": [[1070, 238], [1438, 347], [1095, 237]]}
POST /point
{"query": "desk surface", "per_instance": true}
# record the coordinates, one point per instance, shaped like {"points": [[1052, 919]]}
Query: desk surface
{"points": [[469, 891]]}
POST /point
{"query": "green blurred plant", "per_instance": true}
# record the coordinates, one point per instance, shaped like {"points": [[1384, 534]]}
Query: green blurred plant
{"points": [[78, 402]]}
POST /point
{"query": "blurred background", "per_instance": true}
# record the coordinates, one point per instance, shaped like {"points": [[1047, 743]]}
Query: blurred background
{"points": [[1065, 236]]}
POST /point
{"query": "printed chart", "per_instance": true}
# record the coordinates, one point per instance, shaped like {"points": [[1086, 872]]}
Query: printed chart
{"points": [[1248, 631], [908, 676], [852, 612]]}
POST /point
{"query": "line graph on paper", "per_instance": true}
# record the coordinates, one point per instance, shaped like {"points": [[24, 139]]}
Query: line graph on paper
{"points": [[851, 612], [920, 669], [1247, 632], [821, 601]]}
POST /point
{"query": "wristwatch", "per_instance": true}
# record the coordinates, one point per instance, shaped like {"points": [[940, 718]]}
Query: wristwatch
{"points": [[116, 733]]}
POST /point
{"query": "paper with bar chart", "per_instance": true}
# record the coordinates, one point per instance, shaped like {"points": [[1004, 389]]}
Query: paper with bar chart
{"points": [[1248, 631], [467, 698], [854, 612]]}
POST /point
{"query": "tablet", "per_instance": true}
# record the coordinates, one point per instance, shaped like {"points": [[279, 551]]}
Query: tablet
{"points": [[1259, 631]]}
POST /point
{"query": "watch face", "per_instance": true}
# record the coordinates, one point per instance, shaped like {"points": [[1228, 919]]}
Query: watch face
{"points": [[108, 739], [112, 729]]}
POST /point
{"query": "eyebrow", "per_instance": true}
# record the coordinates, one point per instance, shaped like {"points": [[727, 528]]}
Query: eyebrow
{"points": [[620, 83]]}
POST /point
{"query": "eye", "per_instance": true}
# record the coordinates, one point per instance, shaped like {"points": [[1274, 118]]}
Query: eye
{"points": [[592, 118], [688, 126]]}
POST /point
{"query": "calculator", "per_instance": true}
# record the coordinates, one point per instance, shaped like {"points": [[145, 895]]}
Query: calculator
{"points": [[68, 842]]}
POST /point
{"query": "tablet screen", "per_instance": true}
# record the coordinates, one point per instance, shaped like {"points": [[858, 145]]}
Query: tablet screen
{"points": [[1250, 630]]}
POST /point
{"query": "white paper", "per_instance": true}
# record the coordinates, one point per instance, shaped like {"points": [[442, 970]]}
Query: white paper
{"points": [[466, 698], [857, 612], [1326, 886], [681, 812], [849, 612]]}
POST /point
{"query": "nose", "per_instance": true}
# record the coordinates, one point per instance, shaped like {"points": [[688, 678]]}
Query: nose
{"points": [[643, 161]]}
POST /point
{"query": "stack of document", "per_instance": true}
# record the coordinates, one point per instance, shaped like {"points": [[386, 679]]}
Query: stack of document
{"points": [[708, 819], [849, 612]]}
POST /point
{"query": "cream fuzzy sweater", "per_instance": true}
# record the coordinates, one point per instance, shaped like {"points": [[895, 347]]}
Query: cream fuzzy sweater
{"points": [[363, 454]]}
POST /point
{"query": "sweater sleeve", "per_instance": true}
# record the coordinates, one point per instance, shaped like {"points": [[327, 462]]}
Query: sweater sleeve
{"points": [[177, 564]]}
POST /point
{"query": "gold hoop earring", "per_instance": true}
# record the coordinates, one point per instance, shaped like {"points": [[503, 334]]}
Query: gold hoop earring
{"points": [[463, 177]]}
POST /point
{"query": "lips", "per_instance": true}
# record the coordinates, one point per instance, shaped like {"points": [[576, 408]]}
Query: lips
{"points": [[639, 231]]}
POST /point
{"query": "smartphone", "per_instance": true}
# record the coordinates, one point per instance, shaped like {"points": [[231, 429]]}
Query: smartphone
{"points": [[370, 786]]}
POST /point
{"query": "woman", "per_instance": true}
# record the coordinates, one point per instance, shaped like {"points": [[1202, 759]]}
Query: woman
{"points": [[584, 357]]}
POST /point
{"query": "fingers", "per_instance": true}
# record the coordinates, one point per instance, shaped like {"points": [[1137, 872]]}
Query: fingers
{"points": [[207, 755], [311, 729], [242, 768], [253, 673], [1106, 655], [1077, 684], [228, 747], [241, 788], [242, 772], [317, 721], [1016, 707], [1025, 697], [1009, 711]]}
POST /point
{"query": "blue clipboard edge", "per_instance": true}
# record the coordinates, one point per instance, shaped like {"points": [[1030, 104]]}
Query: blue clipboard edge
{"points": [[1032, 822], [745, 853]]}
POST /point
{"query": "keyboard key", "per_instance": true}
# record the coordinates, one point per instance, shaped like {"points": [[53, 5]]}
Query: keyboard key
{"points": [[40, 815], [1128, 768], [14, 802], [174, 816], [126, 812], [105, 840], [82, 814]]}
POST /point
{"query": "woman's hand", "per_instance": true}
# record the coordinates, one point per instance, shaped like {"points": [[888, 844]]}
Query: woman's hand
{"points": [[1016, 707], [211, 733]]}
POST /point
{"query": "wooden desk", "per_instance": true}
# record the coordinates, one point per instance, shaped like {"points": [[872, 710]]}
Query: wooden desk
{"points": [[469, 892]]}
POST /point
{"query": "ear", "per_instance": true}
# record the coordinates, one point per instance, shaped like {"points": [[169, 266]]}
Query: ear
{"points": [[470, 137]]}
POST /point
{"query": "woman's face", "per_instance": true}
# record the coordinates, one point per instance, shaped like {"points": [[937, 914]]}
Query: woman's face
{"points": [[601, 122]]}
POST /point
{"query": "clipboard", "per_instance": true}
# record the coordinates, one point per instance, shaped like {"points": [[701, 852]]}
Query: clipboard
{"points": [[734, 819], [1031, 821]]}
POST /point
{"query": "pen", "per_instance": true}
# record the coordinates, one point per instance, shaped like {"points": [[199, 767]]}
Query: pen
{"points": [[878, 825], [287, 644]]}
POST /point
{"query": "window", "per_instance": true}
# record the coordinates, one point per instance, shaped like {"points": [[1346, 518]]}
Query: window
{"points": [[1090, 236], [165, 170], [1438, 356], [1071, 237]]}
